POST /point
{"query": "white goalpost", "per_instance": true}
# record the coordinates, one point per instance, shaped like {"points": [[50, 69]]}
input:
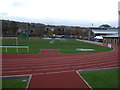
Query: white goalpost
{"points": [[11, 38], [16, 43]]}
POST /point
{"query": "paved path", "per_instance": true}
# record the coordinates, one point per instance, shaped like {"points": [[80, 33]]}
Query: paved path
{"points": [[51, 63]]}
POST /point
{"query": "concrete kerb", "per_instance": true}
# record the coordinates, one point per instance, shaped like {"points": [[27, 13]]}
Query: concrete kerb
{"points": [[95, 70]]}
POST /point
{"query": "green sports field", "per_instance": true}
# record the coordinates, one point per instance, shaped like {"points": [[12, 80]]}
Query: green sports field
{"points": [[68, 46], [102, 79], [14, 83]]}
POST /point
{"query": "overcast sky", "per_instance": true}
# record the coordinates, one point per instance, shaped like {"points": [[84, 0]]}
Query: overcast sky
{"points": [[61, 12]]}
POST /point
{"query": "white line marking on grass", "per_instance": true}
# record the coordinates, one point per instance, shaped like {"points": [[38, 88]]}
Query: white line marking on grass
{"points": [[84, 80]]}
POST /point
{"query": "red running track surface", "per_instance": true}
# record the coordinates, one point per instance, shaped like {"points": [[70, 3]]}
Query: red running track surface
{"points": [[50, 65], [58, 80]]}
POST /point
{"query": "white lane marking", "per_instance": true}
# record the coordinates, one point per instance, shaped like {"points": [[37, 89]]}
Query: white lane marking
{"points": [[58, 65], [52, 59], [54, 65], [78, 61], [57, 68], [61, 71], [62, 57]]}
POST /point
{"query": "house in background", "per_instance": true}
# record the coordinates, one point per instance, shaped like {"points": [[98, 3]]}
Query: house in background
{"points": [[23, 27]]}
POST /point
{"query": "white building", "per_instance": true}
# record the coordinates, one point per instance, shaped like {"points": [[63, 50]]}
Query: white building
{"points": [[99, 34]]}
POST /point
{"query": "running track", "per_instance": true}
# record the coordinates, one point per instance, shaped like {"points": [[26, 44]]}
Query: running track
{"points": [[50, 69]]}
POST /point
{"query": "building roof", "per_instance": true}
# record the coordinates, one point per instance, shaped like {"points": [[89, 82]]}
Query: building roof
{"points": [[114, 35], [109, 31]]}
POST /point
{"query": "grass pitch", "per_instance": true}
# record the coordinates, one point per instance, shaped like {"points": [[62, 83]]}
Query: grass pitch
{"points": [[68, 46], [102, 79], [14, 83]]}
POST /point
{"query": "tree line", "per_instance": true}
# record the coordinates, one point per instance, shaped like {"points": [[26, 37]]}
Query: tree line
{"points": [[15, 28]]}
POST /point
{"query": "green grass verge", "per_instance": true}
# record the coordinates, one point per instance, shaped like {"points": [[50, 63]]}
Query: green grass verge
{"points": [[102, 79], [14, 83], [36, 44]]}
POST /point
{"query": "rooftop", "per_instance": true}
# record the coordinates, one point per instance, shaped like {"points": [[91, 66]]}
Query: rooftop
{"points": [[114, 35], [109, 31]]}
